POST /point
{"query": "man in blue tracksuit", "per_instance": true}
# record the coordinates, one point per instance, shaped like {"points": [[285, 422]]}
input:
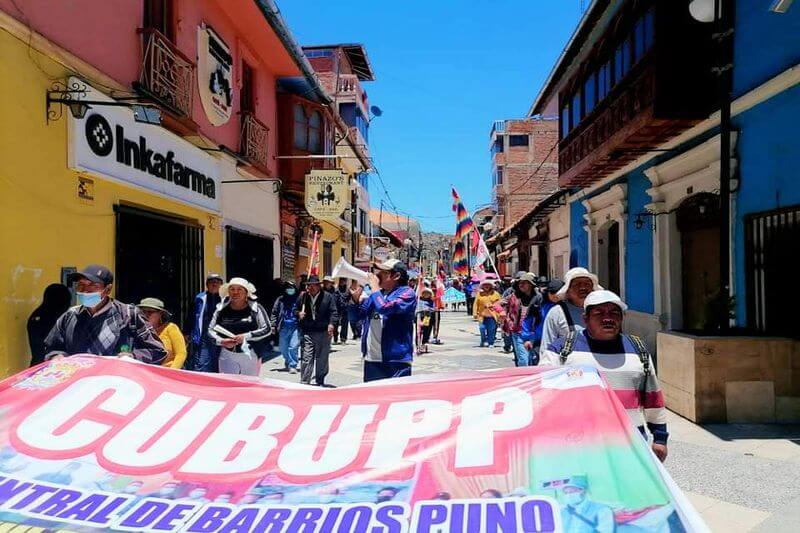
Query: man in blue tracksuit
{"points": [[387, 340]]}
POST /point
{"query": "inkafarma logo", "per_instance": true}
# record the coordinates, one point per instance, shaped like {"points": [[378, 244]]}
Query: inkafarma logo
{"points": [[102, 139], [99, 135]]}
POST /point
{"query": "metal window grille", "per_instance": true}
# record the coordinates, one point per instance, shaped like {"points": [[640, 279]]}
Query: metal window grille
{"points": [[771, 239]]}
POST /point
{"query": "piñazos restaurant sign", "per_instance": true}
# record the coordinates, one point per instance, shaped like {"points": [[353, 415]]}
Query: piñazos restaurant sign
{"points": [[108, 142]]}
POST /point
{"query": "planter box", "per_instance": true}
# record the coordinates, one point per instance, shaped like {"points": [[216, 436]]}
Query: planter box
{"points": [[730, 379]]}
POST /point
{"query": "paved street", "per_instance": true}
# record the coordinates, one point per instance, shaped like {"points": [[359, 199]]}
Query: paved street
{"points": [[739, 477], [460, 351]]}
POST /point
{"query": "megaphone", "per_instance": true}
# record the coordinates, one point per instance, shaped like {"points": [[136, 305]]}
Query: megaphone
{"points": [[343, 269]]}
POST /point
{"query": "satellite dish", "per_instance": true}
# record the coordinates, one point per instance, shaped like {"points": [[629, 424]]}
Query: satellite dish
{"points": [[376, 111]]}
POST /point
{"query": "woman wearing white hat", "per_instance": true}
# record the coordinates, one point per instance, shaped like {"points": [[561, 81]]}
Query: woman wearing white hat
{"points": [[239, 321], [568, 314]]}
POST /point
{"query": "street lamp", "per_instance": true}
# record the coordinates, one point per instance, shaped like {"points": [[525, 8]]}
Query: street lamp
{"points": [[703, 10]]}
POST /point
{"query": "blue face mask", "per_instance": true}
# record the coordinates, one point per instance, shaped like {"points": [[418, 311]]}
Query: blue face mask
{"points": [[290, 292], [89, 299]]}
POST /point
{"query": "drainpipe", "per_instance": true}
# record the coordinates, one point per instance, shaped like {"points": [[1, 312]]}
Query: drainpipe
{"points": [[724, 71]]}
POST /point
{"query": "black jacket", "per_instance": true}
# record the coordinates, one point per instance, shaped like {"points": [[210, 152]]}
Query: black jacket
{"points": [[325, 312]]}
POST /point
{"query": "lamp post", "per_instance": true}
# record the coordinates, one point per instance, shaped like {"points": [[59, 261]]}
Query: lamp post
{"points": [[721, 14]]}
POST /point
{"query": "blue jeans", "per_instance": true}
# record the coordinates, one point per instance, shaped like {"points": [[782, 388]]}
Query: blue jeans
{"points": [[290, 342], [488, 329], [523, 356], [205, 356]]}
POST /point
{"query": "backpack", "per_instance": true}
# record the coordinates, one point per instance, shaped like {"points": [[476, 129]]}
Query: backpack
{"points": [[129, 333], [638, 343], [568, 317]]}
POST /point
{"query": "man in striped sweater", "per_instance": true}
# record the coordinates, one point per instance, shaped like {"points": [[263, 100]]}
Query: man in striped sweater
{"points": [[621, 358]]}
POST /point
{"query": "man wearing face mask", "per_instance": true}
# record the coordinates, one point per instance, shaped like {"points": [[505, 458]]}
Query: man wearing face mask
{"points": [[387, 342], [285, 323], [101, 325], [579, 513]]}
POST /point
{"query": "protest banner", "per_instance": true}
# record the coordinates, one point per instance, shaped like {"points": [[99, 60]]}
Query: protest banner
{"points": [[90, 443]]}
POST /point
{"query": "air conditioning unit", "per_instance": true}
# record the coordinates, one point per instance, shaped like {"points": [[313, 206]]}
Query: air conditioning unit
{"points": [[781, 6]]}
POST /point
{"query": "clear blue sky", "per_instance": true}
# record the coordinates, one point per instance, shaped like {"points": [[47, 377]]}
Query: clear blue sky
{"points": [[445, 69]]}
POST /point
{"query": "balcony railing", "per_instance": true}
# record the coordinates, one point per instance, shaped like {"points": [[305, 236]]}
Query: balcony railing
{"points": [[349, 86], [167, 74], [499, 126], [614, 122], [254, 140]]}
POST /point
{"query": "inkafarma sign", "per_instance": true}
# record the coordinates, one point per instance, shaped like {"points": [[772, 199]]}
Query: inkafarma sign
{"points": [[109, 143], [92, 443]]}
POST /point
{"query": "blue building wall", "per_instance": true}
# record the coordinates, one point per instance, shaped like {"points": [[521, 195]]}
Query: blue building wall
{"points": [[578, 238], [638, 247], [765, 43], [769, 170]]}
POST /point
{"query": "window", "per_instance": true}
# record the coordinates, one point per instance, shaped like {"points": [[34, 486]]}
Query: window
{"points": [[518, 140], [604, 81], [627, 45], [158, 16], [649, 29], [362, 221], [498, 176], [589, 93], [327, 257], [300, 128], [318, 53], [247, 93], [565, 121], [315, 133], [619, 65], [497, 147], [576, 110]]}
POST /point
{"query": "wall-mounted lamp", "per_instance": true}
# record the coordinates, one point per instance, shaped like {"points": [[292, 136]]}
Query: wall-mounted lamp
{"points": [[72, 97], [639, 221]]}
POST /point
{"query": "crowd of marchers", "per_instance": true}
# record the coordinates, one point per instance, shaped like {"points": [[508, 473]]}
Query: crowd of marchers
{"points": [[393, 314]]}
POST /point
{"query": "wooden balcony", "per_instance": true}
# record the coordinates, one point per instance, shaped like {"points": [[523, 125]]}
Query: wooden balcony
{"points": [[254, 140], [617, 132], [167, 74]]}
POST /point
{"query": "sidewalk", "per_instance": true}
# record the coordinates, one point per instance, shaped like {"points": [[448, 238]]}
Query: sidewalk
{"points": [[739, 477]]}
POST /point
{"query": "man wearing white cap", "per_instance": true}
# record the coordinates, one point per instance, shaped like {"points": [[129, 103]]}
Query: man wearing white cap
{"points": [[568, 314], [623, 360]]}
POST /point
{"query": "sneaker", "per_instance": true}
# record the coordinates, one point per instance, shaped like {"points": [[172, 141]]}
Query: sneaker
{"points": [[292, 370]]}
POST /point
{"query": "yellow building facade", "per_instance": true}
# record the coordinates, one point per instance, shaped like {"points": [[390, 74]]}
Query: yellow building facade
{"points": [[54, 218]]}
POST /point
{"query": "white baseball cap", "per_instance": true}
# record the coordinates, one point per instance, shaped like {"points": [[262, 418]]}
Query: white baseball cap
{"points": [[603, 296]]}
